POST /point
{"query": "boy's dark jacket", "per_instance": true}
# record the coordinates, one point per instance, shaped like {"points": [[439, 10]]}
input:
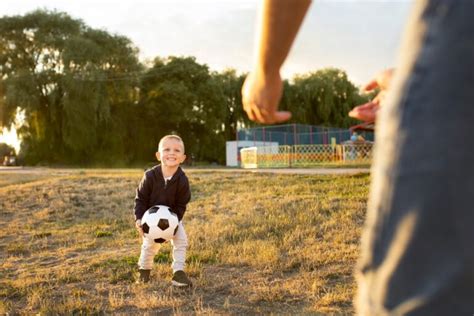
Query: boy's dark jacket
{"points": [[153, 191]]}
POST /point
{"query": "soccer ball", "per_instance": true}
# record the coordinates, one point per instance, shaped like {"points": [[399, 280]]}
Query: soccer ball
{"points": [[159, 223]]}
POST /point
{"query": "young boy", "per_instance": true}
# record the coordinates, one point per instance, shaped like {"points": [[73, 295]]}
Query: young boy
{"points": [[165, 184]]}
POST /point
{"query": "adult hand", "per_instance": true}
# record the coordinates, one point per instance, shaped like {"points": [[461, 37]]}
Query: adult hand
{"points": [[368, 112], [261, 95]]}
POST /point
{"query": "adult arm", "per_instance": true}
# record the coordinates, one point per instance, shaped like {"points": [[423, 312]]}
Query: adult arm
{"points": [[261, 93]]}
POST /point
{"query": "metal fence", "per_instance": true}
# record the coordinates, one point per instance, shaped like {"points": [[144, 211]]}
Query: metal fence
{"points": [[306, 155], [298, 134]]}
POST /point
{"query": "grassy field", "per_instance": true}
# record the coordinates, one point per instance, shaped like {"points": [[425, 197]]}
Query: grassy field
{"points": [[259, 243]]}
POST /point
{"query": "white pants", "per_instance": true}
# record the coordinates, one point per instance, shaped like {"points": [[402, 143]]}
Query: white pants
{"points": [[150, 249]]}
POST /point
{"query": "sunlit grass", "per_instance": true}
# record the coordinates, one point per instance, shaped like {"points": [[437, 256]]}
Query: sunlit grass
{"points": [[259, 243]]}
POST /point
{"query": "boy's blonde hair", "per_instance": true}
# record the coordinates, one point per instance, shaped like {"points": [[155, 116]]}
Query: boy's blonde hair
{"points": [[175, 137]]}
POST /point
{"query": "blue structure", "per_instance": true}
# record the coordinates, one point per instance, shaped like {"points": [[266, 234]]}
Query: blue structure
{"points": [[298, 134]]}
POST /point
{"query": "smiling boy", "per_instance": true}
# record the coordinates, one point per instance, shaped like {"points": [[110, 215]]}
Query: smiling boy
{"points": [[165, 184]]}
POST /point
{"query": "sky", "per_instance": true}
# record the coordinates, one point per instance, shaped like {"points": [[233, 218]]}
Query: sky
{"points": [[359, 36]]}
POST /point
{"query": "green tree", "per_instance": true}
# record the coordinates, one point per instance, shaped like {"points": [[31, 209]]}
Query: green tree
{"points": [[5, 150], [323, 98], [178, 95], [71, 80], [231, 86]]}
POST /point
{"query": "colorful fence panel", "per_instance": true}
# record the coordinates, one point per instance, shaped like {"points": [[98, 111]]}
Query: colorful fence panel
{"points": [[299, 156]]}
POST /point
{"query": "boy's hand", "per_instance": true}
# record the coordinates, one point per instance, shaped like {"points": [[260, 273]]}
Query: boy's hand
{"points": [[138, 226]]}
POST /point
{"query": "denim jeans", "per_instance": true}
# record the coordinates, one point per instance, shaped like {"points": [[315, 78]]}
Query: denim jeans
{"points": [[418, 243]]}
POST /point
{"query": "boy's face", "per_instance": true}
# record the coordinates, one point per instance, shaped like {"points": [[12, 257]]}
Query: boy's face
{"points": [[171, 153]]}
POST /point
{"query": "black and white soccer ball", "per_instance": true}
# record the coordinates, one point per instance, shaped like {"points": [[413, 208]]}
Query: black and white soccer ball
{"points": [[159, 224]]}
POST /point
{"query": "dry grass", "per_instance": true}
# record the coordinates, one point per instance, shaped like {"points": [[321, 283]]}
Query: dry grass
{"points": [[259, 243]]}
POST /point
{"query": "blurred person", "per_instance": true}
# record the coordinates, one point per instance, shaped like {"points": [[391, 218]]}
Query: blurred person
{"points": [[417, 255]]}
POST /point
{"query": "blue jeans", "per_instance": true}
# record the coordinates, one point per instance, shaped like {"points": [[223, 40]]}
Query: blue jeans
{"points": [[418, 243]]}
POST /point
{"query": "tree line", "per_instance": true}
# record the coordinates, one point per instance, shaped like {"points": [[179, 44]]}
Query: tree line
{"points": [[89, 100]]}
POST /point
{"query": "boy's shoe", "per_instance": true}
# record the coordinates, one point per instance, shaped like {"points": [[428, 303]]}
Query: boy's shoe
{"points": [[180, 279], [144, 276]]}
